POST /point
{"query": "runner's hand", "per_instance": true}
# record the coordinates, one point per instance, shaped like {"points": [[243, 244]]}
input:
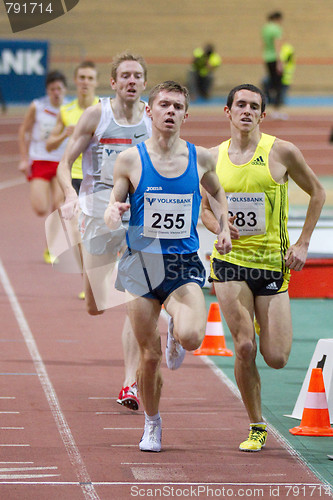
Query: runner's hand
{"points": [[223, 244], [70, 208], [296, 256], [234, 233], [114, 213]]}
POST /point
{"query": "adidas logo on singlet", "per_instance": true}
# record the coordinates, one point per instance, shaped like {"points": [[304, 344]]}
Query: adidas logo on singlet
{"points": [[258, 161]]}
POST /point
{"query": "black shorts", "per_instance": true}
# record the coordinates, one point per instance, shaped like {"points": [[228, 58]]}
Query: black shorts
{"points": [[260, 281], [76, 183], [156, 276]]}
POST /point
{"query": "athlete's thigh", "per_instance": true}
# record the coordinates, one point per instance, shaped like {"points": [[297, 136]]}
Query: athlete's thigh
{"points": [[274, 317], [143, 314], [237, 305], [187, 307], [40, 195]]}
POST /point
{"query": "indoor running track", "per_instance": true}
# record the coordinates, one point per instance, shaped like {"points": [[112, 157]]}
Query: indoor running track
{"points": [[62, 435]]}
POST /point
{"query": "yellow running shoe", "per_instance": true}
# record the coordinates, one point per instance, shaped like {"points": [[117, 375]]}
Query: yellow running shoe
{"points": [[81, 295], [257, 438], [49, 258]]}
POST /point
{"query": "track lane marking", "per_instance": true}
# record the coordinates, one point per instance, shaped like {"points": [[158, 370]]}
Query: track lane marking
{"points": [[51, 396]]}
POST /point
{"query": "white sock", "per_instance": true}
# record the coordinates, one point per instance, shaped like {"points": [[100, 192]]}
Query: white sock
{"points": [[153, 418]]}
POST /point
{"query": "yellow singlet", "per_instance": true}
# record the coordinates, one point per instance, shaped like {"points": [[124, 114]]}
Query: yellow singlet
{"points": [[261, 208], [70, 114]]}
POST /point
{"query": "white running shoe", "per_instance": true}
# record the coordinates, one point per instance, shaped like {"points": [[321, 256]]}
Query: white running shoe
{"points": [[152, 436], [174, 352]]}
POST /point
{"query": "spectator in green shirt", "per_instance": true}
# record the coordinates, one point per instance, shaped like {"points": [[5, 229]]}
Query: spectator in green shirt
{"points": [[271, 34]]}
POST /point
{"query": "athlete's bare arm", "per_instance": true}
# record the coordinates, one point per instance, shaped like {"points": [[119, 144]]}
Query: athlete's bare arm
{"points": [[216, 194], [297, 168], [84, 130], [24, 137], [124, 175], [58, 134], [207, 216]]}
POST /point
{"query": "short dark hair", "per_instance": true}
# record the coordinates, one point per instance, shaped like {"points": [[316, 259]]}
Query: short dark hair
{"points": [[251, 88], [127, 56], [85, 64], [55, 76], [169, 86], [275, 16]]}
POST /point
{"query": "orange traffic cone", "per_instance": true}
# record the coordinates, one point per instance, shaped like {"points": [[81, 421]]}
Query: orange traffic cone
{"points": [[315, 419], [213, 343]]}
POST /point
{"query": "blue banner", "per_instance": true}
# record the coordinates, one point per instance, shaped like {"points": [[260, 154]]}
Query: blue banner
{"points": [[23, 69]]}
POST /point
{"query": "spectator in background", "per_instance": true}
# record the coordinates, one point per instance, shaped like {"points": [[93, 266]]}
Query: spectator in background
{"points": [[271, 34], [205, 62], [287, 58]]}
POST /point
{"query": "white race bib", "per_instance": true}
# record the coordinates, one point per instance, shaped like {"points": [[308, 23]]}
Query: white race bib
{"points": [[249, 209], [167, 216]]}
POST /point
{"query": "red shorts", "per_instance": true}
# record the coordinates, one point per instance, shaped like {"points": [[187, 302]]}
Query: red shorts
{"points": [[43, 170]]}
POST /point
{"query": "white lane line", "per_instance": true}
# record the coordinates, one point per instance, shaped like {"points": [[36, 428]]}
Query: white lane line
{"points": [[24, 469], [12, 182], [172, 399], [326, 491], [172, 447], [11, 428], [7, 397], [16, 373], [26, 476], [164, 413], [158, 473], [170, 428], [15, 463], [10, 412], [14, 445], [51, 396]]}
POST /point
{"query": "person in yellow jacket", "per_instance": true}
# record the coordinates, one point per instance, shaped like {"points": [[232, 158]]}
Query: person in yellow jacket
{"points": [[252, 280], [205, 61], [287, 58], [85, 78]]}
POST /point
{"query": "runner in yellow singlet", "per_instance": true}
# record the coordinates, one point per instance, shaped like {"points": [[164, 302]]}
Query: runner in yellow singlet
{"points": [[253, 168]]}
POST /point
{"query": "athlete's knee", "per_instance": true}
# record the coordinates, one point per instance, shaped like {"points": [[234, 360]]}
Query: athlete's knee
{"points": [[191, 339], [276, 360], [246, 350], [40, 210], [151, 356]]}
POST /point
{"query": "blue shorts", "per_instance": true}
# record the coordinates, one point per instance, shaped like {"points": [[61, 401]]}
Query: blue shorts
{"points": [[156, 276]]}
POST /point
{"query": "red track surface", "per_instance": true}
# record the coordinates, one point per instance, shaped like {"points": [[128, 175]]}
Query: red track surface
{"points": [[63, 435]]}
